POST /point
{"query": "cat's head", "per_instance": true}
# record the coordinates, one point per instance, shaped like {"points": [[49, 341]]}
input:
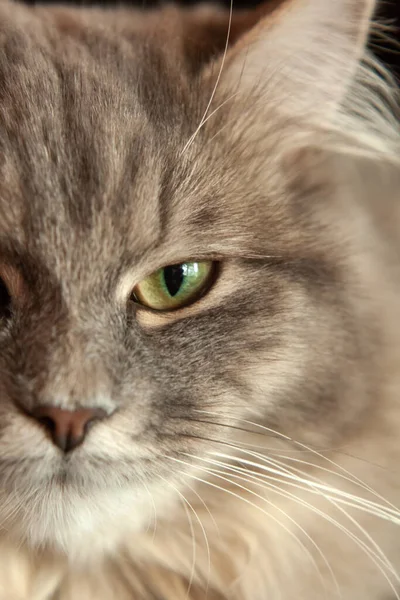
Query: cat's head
{"points": [[177, 255]]}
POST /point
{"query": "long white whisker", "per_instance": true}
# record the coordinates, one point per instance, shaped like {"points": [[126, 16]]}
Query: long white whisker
{"points": [[322, 489], [358, 503], [340, 495], [193, 569], [333, 495], [188, 504], [315, 452], [291, 533], [379, 562], [154, 510], [268, 478], [190, 141], [205, 506], [185, 505], [349, 477]]}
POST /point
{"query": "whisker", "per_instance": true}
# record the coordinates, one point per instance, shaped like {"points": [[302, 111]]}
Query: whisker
{"points": [[279, 480], [322, 489], [350, 477], [192, 572], [376, 559], [154, 510], [304, 488], [191, 139], [315, 452], [291, 533], [385, 512], [362, 504], [352, 500], [334, 496], [391, 514], [186, 505], [205, 506]]}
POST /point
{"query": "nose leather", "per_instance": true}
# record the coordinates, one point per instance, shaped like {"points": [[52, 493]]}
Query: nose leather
{"points": [[67, 428]]}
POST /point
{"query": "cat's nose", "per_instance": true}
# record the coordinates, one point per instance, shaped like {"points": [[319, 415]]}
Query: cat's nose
{"points": [[67, 428]]}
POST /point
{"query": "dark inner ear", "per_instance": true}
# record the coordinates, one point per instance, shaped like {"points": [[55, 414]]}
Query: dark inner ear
{"points": [[206, 30]]}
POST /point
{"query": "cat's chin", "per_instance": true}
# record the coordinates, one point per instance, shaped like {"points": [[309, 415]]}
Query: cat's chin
{"points": [[80, 526], [80, 504]]}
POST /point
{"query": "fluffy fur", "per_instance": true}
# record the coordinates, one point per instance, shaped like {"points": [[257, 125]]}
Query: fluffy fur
{"points": [[251, 449]]}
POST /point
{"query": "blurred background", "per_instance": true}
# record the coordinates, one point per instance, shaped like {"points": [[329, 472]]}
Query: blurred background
{"points": [[388, 13]]}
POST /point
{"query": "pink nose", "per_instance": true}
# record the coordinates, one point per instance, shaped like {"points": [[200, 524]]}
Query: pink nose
{"points": [[67, 428]]}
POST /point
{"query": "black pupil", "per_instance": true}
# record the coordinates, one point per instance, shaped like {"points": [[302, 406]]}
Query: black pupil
{"points": [[173, 277], [5, 300]]}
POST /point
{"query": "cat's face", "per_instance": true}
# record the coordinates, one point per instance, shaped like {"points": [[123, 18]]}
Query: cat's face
{"points": [[99, 188]]}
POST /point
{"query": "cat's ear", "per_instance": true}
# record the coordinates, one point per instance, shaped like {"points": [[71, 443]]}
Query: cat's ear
{"points": [[208, 30], [303, 54]]}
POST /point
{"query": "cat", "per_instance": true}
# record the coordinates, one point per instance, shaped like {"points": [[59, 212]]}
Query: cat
{"points": [[200, 283]]}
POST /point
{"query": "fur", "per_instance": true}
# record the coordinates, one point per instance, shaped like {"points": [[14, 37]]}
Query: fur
{"points": [[251, 446]]}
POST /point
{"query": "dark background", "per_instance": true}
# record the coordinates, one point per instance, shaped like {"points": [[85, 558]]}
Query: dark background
{"points": [[389, 12]]}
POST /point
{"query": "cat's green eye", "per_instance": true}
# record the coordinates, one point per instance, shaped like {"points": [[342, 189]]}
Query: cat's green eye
{"points": [[174, 286]]}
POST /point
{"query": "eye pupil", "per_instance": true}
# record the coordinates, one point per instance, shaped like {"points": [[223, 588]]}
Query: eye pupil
{"points": [[5, 301], [173, 278]]}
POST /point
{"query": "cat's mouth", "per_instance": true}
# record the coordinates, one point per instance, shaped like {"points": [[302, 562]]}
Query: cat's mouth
{"points": [[77, 471]]}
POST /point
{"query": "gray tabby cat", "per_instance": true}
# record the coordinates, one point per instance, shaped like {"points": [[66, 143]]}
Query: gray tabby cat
{"points": [[200, 305]]}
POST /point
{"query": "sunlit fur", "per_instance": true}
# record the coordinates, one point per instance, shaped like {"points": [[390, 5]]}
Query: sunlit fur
{"points": [[252, 450]]}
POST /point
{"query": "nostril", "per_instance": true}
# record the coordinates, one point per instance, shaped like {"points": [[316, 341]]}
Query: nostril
{"points": [[48, 423], [5, 301]]}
